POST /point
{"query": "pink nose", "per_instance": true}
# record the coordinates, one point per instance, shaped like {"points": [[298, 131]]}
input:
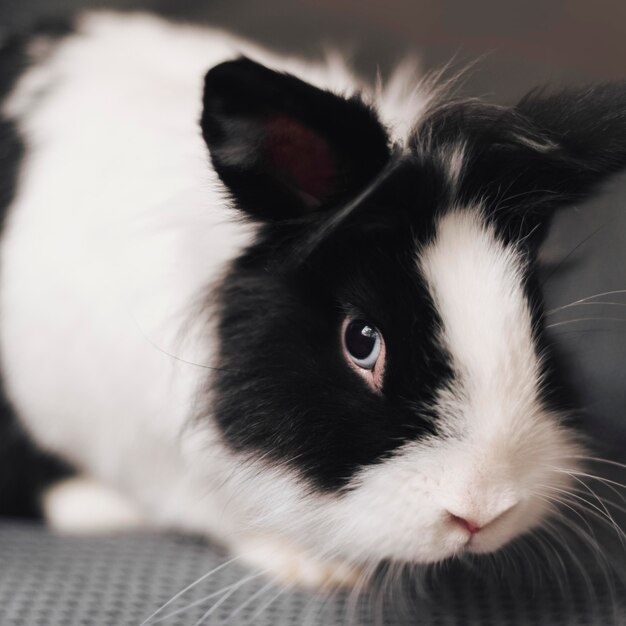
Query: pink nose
{"points": [[470, 526]]}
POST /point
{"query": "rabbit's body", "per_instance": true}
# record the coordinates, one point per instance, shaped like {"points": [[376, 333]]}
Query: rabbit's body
{"points": [[103, 258], [113, 372], [158, 344]]}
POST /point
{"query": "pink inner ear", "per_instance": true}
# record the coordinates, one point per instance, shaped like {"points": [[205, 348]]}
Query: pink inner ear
{"points": [[300, 155]]}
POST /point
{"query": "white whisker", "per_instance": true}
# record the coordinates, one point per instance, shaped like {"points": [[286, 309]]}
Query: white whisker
{"points": [[225, 597], [260, 611], [251, 599], [189, 587], [581, 300], [586, 319]]}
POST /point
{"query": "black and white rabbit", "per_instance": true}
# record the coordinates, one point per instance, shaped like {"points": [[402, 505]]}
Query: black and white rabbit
{"points": [[279, 307]]}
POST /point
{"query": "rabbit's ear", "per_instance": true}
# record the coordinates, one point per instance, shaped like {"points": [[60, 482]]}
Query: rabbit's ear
{"points": [[283, 147], [524, 162]]}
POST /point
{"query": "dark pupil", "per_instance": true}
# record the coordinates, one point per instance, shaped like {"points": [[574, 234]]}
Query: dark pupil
{"points": [[360, 339]]}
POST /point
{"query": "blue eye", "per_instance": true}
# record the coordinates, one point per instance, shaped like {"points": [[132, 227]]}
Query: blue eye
{"points": [[363, 343]]}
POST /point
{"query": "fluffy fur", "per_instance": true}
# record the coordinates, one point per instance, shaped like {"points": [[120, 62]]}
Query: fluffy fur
{"points": [[171, 316]]}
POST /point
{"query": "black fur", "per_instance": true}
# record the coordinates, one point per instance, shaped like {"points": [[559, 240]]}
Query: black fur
{"points": [[284, 145], [524, 162], [25, 471], [285, 390]]}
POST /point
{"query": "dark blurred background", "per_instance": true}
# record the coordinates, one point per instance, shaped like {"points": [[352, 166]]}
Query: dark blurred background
{"points": [[517, 45], [526, 42]]}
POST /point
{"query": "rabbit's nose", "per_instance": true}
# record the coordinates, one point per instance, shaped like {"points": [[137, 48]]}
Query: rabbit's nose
{"points": [[469, 525], [474, 523]]}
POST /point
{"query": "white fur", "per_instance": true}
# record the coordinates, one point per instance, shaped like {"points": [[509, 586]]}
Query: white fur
{"points": [[476, 283], [117, 233], [452, 158], [83, 506], [110, 240], [293, 566]]}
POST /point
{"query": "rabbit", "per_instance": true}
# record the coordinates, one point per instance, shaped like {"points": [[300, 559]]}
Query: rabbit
{"points": [[261, 300]]}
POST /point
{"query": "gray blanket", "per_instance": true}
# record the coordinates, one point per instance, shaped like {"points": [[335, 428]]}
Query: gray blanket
{"points": [[47, 580]]}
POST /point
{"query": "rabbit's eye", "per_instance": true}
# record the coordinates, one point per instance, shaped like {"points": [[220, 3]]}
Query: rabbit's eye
{"points": [[363, 343]]}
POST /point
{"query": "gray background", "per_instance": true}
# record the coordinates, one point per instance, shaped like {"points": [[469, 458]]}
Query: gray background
{"points": [[49, 580]]}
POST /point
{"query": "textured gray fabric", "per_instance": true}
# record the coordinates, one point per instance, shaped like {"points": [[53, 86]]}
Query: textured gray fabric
{"points": [[47, 580]]}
